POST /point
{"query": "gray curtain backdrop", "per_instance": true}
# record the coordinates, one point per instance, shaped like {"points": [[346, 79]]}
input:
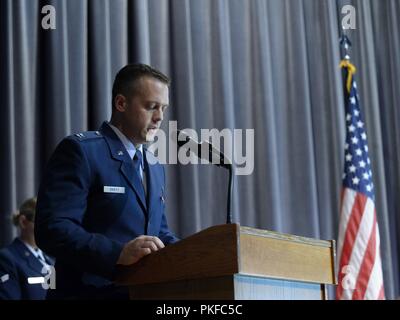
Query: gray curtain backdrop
{"points": [[267, 65]]}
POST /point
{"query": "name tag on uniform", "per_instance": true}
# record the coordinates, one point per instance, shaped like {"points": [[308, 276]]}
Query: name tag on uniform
{"points": [[35, 280], [112, 189]]}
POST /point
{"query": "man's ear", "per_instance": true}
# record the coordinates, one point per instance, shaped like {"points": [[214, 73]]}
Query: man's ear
{"points": [[120, 103], [23, 221]]}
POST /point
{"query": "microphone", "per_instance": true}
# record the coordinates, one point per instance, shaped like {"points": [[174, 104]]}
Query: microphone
{"points": [[204, 150], [214, 156]]}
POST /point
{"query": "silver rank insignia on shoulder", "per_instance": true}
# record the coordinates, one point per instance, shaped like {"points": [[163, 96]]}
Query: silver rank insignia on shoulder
{"points": [[4, 278], [120, 153]]}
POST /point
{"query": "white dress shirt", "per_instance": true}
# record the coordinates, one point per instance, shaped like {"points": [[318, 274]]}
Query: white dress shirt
{"points": [[131, 149], [37, 253]]}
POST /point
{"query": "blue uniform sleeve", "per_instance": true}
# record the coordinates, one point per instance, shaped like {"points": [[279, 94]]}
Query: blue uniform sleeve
{"points": [[165, 235], [10, 288], [61, 207]]}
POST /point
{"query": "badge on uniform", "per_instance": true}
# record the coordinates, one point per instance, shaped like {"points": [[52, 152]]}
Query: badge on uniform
{"points": [[114, 189]]}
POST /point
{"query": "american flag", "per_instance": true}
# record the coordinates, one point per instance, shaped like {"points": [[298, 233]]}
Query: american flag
{"points": [[360, 267]]}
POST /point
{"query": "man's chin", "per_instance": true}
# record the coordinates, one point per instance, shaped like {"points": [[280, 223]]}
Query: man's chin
{"points": [[150, 136]]}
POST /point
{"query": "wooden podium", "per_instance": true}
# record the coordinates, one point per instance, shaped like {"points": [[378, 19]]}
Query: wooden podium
{"points": [[233, 262]]}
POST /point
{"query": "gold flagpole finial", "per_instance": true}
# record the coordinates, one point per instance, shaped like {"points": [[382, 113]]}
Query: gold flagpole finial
{"points": [[345, 63]]}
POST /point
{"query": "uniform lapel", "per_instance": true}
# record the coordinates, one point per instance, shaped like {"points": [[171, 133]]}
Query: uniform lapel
{"points": [[49, 260], [30, 259], [134, 180], [118, 152]]}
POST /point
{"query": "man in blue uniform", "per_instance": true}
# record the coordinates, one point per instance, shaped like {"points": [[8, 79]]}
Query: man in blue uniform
{"points": [[23, 266], [101, 201]]}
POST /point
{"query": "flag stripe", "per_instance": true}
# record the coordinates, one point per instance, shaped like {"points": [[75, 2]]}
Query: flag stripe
{"points": [[345, 213], [352, 227], [350, 234], [359, 245], [381, 293], [363, 235], [375, 289]]}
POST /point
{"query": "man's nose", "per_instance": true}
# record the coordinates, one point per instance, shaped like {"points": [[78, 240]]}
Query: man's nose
{"points": [[158, 115]]}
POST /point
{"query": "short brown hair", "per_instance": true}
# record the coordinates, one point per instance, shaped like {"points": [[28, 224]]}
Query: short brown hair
{"points": [[27, 209], [126, 77]]}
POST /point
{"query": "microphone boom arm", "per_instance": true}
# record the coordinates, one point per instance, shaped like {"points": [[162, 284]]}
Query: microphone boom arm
{"points": [[223, 162]]}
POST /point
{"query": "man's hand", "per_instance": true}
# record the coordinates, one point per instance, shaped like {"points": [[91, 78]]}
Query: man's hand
{"points": [[139, 247]]}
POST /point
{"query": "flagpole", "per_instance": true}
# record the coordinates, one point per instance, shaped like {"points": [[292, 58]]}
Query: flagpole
{"points": [[345, 44], [348, 68]]}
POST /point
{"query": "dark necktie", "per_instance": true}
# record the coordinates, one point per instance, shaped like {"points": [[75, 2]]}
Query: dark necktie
{"points": [[137, 162]]}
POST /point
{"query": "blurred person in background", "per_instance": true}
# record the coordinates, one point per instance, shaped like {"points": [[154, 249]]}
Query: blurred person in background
{"points": [[22, 263]]}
